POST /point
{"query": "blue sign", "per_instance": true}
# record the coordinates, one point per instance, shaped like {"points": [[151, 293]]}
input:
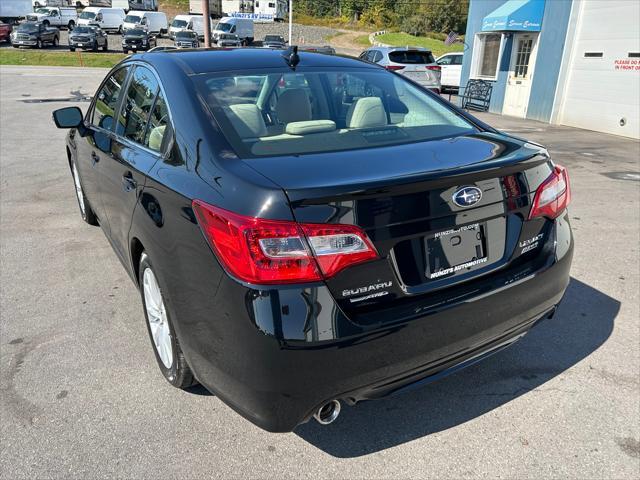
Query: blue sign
{"points": [[256, 17], [515, 15]]}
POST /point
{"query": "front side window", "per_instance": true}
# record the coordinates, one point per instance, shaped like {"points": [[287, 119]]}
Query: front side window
{"points": [[107, 99], [287, 113], [137, 105], [487, 55], [457, 60]]}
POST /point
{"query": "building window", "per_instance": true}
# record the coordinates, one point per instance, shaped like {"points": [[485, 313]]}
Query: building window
{"points": [[486, 55]]}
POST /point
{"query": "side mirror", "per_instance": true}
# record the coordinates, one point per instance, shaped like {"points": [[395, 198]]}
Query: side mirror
{"points": [[69, 117]]}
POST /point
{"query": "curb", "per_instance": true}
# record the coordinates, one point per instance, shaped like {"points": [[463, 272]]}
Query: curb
{"points": [[374, 42]]}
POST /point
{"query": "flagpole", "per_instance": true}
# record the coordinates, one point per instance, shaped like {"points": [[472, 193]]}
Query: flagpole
{"points": [[290, 21]]}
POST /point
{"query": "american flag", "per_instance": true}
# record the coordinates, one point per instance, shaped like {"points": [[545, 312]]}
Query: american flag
{"points": [[451, 38]]}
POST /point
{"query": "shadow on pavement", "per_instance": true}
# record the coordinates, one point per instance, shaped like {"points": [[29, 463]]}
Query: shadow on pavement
{"points": [[581, 325]]}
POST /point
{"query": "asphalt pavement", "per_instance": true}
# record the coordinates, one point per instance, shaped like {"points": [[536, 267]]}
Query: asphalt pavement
{"points": [[81, 395]]}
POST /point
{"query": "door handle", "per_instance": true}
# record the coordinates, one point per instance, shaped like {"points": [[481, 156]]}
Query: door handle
{"points": [[94, 158], [128, 183]]}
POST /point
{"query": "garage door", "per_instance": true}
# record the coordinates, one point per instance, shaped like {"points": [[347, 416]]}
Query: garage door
{"points": [[602, 91]]}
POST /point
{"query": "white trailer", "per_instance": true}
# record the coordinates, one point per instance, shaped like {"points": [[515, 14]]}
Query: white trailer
{"points": [[237, 6], [276, 10], [13, 10], [215, 8]]}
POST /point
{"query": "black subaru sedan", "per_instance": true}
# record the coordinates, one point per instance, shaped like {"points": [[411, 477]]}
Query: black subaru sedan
{"points": [[310, 231]]}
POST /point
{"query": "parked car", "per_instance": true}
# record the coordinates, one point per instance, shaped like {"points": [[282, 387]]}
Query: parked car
{"points": [[34, 34], [5, 32], [451, 68], [326, 49], [339, 236], [229, 40], [181, 23], [154, 22], [415, 63], [242, 27], [186, 39], [66, 17], [138, 39], [274, 41], [88, 38], [108, 19]]}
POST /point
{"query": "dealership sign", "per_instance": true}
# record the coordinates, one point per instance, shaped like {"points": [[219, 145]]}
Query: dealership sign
{"points": [[256, 17]]}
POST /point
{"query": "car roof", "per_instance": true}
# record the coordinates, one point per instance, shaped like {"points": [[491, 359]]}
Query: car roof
{"points": [[222, 60]]}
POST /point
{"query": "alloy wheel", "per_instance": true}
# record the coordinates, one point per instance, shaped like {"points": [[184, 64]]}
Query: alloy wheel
{"points": [[157, 317]]}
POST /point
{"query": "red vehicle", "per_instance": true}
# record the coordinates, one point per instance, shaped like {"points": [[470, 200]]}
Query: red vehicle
{"points": [[5, 31]]}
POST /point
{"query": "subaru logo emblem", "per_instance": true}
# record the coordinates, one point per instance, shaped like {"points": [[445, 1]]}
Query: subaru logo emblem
{"points": [[467, 196]]}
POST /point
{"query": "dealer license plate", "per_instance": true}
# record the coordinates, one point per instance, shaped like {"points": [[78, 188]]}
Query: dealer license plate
{"points": [[455, 251]]}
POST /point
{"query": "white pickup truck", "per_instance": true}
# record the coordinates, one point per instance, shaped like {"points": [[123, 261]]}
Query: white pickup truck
{"points": [[55, 17]]}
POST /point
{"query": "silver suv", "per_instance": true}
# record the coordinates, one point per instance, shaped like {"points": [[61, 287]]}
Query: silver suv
{"points": [[416, 63]]}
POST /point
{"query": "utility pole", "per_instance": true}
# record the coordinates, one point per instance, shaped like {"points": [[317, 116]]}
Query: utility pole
{"points": [[206, 16], [290, 21]]}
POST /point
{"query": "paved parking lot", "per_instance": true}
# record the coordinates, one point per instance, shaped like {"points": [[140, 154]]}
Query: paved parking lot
{"points": [[81, 396]]}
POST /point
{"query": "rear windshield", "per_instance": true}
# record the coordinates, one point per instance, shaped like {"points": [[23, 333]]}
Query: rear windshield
{"points": [[179, 23], [273, 38], [411, 57], [270, 114]]}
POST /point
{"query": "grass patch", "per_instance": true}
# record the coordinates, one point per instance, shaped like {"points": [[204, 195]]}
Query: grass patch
{"points": [[436, 46], [362, 40], [62, 59]]}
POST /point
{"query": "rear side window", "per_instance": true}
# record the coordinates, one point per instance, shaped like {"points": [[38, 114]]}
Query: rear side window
{"points": [[107, 99], [157, 132], [411, 57], [137, 105]]}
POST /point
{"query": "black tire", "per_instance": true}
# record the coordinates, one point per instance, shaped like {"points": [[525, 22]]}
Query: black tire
{"points": [[39, 44], [87, 212], [105, 47], [72, 49], [46, 23], [55, 41], [125, 51], [179, 373], [95, 46], [71, 25]]}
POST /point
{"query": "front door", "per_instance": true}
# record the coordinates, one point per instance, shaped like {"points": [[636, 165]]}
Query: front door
{"points": [[523, 59]]}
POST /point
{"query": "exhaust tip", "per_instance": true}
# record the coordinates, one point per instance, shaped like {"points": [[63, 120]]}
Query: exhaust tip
{"points": [[327, 413]]}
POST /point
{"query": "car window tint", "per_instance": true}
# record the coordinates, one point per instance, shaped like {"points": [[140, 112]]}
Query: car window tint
{"points": [[137, 105], [457, 60], [377, 57], [445, 60], [107, 99], [157, 130]]}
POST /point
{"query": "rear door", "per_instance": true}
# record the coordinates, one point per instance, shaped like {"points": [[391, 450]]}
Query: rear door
{"points": [[137, 146]]}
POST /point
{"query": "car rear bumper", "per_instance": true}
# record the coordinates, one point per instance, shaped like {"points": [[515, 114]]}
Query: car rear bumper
{"points": [[275, 356]]}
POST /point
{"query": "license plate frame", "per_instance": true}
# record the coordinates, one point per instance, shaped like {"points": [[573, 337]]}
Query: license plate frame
{"points": [[455, 251]]}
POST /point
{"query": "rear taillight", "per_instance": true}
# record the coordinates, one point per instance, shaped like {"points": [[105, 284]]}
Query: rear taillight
{"points": [[553, 196], [263, 251], [394, 68], [435, 68]]}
